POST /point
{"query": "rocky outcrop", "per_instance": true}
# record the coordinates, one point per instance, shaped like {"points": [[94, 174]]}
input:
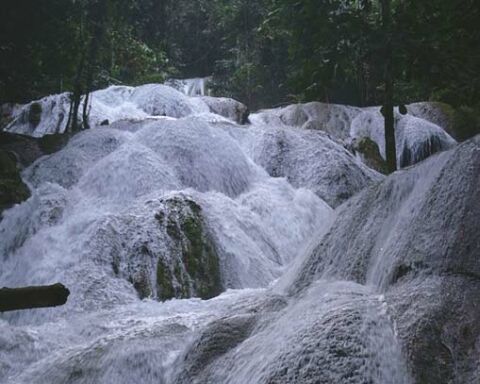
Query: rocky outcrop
{"points": [[27, 149], [331, 118], [220, 337], [415, 238], [418, 134], [309, 159], [368, 151], [12, 188], [229, 108], [193, 269]]}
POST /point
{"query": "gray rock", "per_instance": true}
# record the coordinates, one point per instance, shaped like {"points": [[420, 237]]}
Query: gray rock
{"points": [[217, 339], [309, 159], [437, 113], [229, 108], [415, 238]]}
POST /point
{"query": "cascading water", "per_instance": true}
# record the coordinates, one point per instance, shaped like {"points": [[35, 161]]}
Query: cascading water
{"points": [[175, 209], [417, 136], [197, 86]]}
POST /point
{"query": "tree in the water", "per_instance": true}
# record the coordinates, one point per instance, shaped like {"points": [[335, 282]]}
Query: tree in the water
{"points": [[390, 150], [92, 31]]}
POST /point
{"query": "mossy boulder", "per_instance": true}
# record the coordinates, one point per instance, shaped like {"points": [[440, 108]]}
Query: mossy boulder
{"points": [[193, 269], [370, 154], [35, 113], [54, 142], [12, 188]]}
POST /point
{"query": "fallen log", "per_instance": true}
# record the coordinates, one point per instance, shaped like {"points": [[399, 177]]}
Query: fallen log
{"points": [[12, 299]]}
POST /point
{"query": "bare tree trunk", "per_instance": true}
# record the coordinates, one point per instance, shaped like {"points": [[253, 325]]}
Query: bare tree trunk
{"points": [[12, 299], [86, 124], [76, 96], [390, 150]]}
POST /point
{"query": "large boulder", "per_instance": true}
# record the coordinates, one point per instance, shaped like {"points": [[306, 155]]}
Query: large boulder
{"points": [[336, 332], [195, 268], [421, 133], [45, 116], [308, 159], [226, 107], [333, 119], [414, 238]]}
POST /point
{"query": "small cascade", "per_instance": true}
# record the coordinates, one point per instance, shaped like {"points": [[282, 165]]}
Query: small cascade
{"points": [[417, 135]]}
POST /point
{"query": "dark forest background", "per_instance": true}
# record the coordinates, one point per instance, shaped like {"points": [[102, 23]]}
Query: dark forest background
{"points": [[262, 52]]}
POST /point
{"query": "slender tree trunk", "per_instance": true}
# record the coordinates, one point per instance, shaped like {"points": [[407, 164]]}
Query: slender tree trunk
{"points": [[390, 149], [76, 96], [98, 30], [97, 14]]}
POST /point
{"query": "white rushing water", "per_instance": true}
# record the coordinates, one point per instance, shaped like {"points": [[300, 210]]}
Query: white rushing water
{"points": [[417, 134], [125, 215], [197, 86]]}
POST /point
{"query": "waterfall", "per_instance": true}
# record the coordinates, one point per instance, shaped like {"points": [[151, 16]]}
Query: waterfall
{"points": [[198, 250], [197, 86]]}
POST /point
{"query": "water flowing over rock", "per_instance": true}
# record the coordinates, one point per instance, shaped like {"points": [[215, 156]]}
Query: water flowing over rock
{"points": [[229, 108], [197, 86], [171, 208], [417, 137], [309, 159], [414, 238], [50, 114], [198, 250]]}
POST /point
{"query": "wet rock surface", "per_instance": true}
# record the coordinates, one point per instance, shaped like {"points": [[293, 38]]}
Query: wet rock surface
{"points": [[229, 108], [12, 188], [415, 237], [418, 134]]}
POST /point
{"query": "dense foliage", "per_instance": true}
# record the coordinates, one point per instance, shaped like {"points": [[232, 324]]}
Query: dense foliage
{"points": [[263, 52]]}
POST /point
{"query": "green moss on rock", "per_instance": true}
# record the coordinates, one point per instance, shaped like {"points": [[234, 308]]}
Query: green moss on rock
{"points": [[165, 288], [194, 269], [12, 188], [368, 149], [54, 142]]}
